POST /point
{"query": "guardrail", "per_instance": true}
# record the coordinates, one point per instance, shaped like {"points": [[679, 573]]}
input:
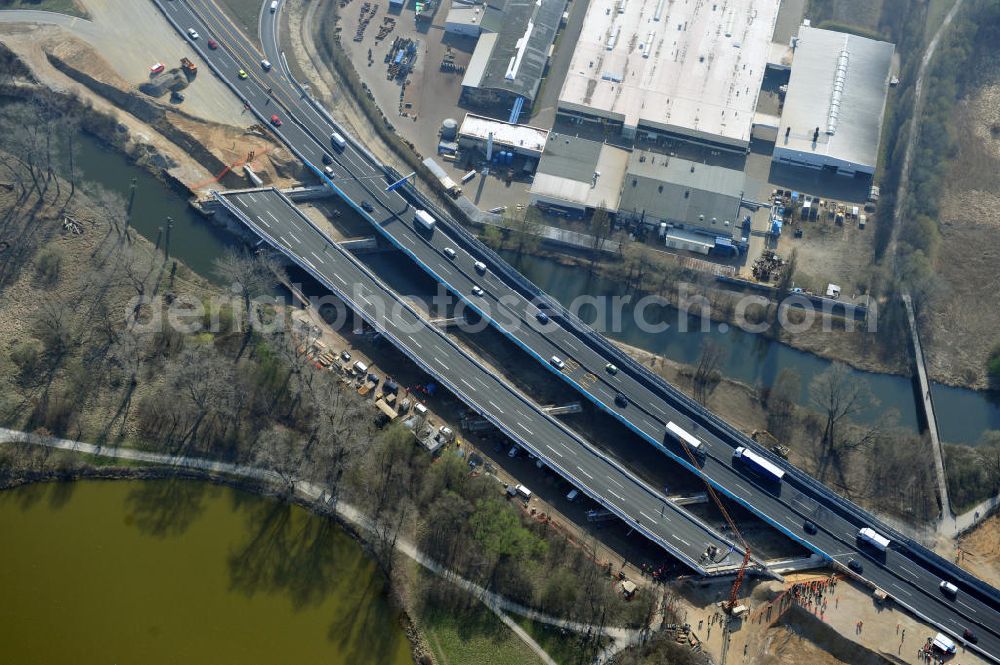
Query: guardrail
{"points": [[680, 401], [449, 385]]}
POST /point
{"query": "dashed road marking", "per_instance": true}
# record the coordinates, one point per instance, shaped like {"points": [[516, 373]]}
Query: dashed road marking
{"points": [[263, 221], [438, 361], [493, 404], [553, 450], [580, 469], [521, 425]]}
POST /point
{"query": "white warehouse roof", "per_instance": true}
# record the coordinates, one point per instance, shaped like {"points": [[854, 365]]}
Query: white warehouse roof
{"points": [[690, 67], [839, 83], [523, 138]]}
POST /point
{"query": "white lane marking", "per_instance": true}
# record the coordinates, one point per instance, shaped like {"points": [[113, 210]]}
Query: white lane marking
{"points": [[616, 483], [438, 361], [521, 425], [408, 239], [553, 450], [263, 221], [616, 495], [271, 215], [480, 382], [467, 384], [647, 517], [294, 238], [908, 571], [661, 411], [252, 197], [902, 589], [495, 406], [285, 241], [685, 542], [412, 339], [340, 278], [742, 488], [967, 607], [310, 263], [580, 469], [570, 345], [318, 258], [447, 270]]}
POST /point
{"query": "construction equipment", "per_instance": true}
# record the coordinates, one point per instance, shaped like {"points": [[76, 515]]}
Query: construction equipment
{"points": [[189, 67], [733, 602]]}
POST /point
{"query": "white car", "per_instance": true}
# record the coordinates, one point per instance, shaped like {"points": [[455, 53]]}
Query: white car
{"points": [[480, 267], [329, 172], [193, 34], [557, 362], [477, 291], [450, 253], [573, 493], [265, 65]]}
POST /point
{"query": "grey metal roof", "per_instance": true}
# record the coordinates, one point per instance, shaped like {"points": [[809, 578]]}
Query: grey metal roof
{"points": [[681, 191], [838, 84], [526, 30], [570, 157]]}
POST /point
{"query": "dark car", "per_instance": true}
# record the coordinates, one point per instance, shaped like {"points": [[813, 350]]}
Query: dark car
{"points": [[368, 207], [176, 97], [856, 566], [327, 159], [276, 121], [809, 528], [212, 44], [621, 400], [970, 636], [542, 317]]}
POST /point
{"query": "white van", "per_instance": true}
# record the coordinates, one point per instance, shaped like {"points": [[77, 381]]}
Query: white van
{"points": [[360, 368], [338, 140], [420, 409], [943, 643], [949, 589], [274, 6], [523, 492]]}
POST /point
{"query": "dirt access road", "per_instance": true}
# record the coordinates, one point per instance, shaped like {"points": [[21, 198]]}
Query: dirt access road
{"points": [[131, 35]]}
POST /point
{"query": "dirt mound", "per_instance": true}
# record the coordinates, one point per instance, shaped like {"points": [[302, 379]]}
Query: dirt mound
{"points": [[799, 638]]}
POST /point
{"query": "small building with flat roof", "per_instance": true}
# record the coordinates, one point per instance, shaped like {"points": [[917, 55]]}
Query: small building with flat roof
{"points": [[512, 53], [833, 111], [466, 18], [578, 175], [681, 193], [522, 140], [689, 69]]}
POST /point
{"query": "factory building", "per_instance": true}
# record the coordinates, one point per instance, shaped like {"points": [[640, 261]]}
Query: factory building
{"points": [[662, 70], [699, 198], [833, 110], [476, 132], [512, 53], [576, 176]]}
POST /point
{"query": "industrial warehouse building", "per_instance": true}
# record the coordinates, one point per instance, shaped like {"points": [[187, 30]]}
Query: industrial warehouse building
{"points": [[512, 52], [695, 201], [659, 69], [477, 132], [681, 193], [577, 175], [832, 117]]}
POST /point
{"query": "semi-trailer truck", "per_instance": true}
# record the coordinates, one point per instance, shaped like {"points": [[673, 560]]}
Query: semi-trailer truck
{"points": [[425, 220]]}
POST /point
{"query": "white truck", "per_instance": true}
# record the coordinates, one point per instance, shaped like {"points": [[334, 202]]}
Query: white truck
{"points": [[338, 140], [425, 220], [873, 538]]}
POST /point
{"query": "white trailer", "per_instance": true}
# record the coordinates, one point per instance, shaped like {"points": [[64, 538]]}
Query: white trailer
{"points": [[874, 538], [758, 464], [685, 438], [425, 219], [468, 176]]}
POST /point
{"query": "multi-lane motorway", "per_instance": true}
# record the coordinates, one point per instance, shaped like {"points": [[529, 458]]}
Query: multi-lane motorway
{"points": [[275, 219], [911, 580]]}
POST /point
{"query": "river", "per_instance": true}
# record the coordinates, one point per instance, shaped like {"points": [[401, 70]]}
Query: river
{"points": [[963, 414], [183, 571]]}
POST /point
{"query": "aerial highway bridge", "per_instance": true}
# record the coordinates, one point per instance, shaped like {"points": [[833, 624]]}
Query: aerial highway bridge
{"points": [[906, 570]]}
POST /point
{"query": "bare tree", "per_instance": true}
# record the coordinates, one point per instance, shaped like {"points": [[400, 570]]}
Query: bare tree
{"points": [[706, 373], [251, 275], [840, 394]]}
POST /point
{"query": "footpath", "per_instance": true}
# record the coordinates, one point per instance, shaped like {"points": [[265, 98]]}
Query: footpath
{"points": [[620, 637]]}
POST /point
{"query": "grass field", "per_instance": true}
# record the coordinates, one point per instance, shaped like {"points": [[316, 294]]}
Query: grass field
{"points": [[61, 6], [474, 636], [565, 648]]}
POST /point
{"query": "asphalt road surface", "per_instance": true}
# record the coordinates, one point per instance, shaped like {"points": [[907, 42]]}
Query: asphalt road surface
{"points": [[899, 573]]}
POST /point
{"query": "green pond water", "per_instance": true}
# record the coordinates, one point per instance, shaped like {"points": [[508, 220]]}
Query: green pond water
{"points": [[164, 571]]}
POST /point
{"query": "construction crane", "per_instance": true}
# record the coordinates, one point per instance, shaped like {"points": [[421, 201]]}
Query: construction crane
{"points": [[741, 572]]}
